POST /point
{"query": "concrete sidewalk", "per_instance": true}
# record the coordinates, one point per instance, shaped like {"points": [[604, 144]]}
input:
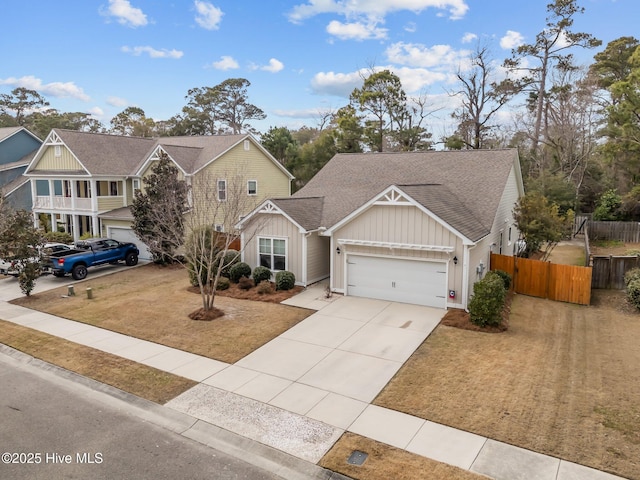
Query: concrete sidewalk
{"points": [[301, 391]]}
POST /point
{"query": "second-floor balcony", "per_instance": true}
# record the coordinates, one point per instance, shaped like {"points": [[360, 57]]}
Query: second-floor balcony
{"points": [[62, 203]]}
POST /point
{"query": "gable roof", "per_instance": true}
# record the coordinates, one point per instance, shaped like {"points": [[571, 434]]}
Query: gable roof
{"points": [[103, 154], [306, 212], [6, 132], [463, 187]]}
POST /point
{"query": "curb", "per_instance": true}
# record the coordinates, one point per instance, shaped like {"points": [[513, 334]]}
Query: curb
{"points": [[262, 456]]}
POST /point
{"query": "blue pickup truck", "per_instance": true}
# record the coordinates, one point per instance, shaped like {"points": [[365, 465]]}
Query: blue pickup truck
{"points": [[94, 251]]}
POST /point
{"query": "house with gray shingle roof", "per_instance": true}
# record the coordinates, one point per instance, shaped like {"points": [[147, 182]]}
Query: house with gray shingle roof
{"points": [[85, 182], [17, 147], [413, 227]]}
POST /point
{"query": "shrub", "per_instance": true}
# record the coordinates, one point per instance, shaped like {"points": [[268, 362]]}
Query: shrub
{"points": [[630, 275], [633, 292], [58, 237], [285, 280], [223, 283], [265, 287], [238, 271], [506, 278], [231, 258], [261, 274], [485, 307], [245, 283]]}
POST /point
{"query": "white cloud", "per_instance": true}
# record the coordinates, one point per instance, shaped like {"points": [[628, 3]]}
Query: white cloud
{"points": [[301, 114], [418, 55], [117, 102], [411, 27], [511, 40], [377, 9], [208, 15], [274, 66], [152, 52], [53, 89], [339, 84], [125, 13], [356, 31], [469, 37], [226, 63], [96, 112]]}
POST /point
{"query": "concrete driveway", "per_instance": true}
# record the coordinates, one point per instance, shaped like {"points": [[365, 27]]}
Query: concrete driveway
{"points": [[331, 365]]}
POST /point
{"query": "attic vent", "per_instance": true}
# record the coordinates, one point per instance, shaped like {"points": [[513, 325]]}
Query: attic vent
{"points": [[57, 151], [247, 144]]}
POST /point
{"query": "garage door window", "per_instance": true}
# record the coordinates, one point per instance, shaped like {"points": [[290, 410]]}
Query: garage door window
{"points": [[273, 253]]}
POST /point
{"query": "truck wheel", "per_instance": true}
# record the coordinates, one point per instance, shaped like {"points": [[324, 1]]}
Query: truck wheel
{"points": [[131, 259], [79, 272]]}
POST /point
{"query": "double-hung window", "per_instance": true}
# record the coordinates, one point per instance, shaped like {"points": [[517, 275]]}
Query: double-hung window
{"points": [[252, 187], [222, 190], [273, 253]]}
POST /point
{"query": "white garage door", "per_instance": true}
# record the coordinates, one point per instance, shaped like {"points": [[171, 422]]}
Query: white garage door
{"points": [[407, 281], [127, 235]]}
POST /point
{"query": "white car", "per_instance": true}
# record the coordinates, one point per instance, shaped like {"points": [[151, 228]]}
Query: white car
{"points": [[11, 268]]}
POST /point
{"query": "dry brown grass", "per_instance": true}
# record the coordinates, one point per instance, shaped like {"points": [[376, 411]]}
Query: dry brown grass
{"points": [[153, 303], [132, 377], [385, 462], [564, 380]]}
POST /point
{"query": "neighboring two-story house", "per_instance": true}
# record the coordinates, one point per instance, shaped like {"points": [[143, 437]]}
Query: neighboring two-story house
{"points": [[85, 182], [17, 147]]}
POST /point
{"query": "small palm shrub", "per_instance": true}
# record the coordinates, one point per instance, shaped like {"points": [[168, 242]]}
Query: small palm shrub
{"points": [[261, 274], [285, 280], [489, 295], [238, 271]]}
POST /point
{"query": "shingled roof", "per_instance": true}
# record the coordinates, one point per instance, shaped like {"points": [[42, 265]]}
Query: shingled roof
{"points": [[463, 188], [103, 154]]}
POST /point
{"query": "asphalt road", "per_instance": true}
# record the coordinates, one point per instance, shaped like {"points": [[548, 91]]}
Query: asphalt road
{"points": [[67, 434]]}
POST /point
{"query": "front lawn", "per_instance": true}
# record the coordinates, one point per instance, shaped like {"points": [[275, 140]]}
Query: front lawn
{"points": [[563, 380], [153, 303]]}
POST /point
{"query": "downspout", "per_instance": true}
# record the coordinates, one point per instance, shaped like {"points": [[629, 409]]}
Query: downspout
{"points": [[465, 275]]}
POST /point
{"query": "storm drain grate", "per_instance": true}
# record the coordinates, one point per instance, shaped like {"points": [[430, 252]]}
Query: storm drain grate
{"points": [[357, 457]]}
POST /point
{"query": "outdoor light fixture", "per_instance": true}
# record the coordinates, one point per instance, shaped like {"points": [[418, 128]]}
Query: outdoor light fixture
{"points": [[455, 260], [338, 250]]}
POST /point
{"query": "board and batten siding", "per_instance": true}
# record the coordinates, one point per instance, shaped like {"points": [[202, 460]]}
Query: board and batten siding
{"points": [[274, 226], [501, 224], [318, 258], [398, 224], [65, 162]]}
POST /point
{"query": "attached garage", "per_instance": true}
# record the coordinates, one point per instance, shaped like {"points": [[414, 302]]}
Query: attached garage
{"points": [[123, 234], [398, 280]]}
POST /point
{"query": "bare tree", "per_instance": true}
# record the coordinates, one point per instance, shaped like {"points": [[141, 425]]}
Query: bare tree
{"points": [[199, 234]]}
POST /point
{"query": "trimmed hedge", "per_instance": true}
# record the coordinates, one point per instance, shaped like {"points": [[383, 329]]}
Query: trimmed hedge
{"points": [[506, 278], [630, 275], [260, 274], [285, 280], [223, 283], [58, 237], [238, 271], [489, 295]]}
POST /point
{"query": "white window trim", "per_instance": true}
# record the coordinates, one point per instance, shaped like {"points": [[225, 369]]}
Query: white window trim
{"points": [[249, 190], [136, 184], [218, 227], [218, 190], [57, 151], [286, 251], [246, 145]]}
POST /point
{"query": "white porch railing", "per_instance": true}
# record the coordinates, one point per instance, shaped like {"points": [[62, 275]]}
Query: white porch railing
{"points": [[62, 203]]}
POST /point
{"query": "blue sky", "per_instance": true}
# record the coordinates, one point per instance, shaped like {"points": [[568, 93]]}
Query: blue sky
{"points": [[302, 57]]}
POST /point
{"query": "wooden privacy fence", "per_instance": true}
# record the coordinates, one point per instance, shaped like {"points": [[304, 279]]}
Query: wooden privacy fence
{"points": [[628, 232], [608, 271], [563, 283]]}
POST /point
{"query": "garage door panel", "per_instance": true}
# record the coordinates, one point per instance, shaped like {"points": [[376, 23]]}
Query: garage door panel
{"points": [[399, 280], [128, 235]]}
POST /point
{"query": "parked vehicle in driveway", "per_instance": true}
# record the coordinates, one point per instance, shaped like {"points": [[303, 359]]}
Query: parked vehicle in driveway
{"points": [[94, 251], [12, 267]]}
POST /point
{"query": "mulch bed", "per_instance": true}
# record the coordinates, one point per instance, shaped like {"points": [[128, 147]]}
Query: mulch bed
{"points": [[252, 294], [459, 318]]}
